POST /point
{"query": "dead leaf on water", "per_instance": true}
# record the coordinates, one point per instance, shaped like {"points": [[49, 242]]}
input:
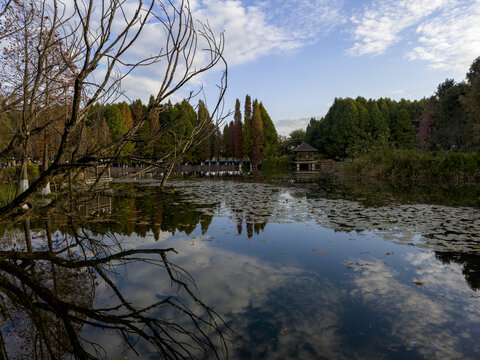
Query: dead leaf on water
{"points": [[419, 283], [283, 331]]}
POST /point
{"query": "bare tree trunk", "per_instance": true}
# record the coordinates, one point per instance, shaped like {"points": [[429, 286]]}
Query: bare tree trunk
{"points": [[23, 183], [166, 176], [46, 190]]}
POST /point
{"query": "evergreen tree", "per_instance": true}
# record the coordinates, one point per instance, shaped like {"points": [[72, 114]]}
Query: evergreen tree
{"points": [[377, 126], [231, 140], [203, 150], [115, 121], [185, 118], [270, 136], [217, 145], [314, 135], [226, 148], [402, 131], [166, 142], [471, 102], [247, 126], [450, 117], [257, 136], [144, 146], [425, 126], [238, 132]]}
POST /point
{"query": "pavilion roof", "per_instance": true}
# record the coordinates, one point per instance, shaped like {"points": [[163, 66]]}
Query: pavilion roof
{"points": [[304, 147]]}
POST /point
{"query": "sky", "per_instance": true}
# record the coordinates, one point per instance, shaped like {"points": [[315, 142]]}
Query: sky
{"points": [[297, 56]]}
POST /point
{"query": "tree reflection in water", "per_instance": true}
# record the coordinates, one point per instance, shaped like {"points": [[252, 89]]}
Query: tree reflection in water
{"points": [[48, 289]]}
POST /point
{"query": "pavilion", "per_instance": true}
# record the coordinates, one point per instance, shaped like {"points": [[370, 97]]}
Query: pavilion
{"points": [[304, 160]]}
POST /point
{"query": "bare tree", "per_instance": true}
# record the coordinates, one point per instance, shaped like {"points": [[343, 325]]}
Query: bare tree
{"points": [[60, 60]]}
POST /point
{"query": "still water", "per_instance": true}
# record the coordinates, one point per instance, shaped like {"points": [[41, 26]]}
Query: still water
{"points": [[245, 270]]}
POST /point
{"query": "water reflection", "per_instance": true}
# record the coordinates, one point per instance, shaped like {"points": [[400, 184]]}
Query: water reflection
{"points": [[378, 192], [451, 231], [59, 283], [295, 275], [470, 265]]}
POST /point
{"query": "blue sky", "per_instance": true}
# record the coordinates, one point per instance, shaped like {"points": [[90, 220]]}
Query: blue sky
{"points": [[296, 56]]}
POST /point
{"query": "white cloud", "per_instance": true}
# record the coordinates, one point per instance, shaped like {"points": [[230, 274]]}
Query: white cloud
{"points": [[444, 32], [266, 27], [450, 41], [381, 23], [252, 29], [286, 126]]}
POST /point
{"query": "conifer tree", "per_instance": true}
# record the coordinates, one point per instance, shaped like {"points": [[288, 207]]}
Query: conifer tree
{"points": [[137, 110], [115, 122], [127, 114], [270, 136], [217, 144], [257, 136], [247, 126], [471, 103], [226, 141], [203, 150], [402, 131], [231, 140], [238, 133], [377, 126]]}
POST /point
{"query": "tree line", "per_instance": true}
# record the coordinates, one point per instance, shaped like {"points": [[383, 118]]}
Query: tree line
{"points": [[447, 121]]}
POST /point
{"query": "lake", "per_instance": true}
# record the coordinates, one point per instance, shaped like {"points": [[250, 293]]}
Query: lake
{"points": [[247, 269]]}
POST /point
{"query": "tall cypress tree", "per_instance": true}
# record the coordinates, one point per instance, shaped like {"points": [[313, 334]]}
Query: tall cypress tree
{"points": [[270, 136], [226, 141], [257, 136], [238, 138], [217, 144], [203, 149], [247, 126], [231, 140]]}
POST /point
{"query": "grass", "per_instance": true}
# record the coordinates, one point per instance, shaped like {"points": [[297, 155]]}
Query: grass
{"points": [[7, 192], [11, 175]]}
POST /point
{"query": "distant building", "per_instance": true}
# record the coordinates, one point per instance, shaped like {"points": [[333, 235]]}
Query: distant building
{"points": [[304, 160]]}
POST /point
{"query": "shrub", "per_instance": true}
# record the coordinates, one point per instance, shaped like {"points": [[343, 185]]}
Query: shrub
{"points": [[281, 165], [416, 164]]}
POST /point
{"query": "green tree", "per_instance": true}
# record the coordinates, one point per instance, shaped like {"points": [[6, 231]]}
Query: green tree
{"points": [[226, 146], [238, 131], [296, 137], [270, 136], [316, 134], [257, 136], [402, 130], [449, 116], [247, 126], [471, 101], [217, 145], [205, 148], [343, 119], [377, 126], [115, 121]]}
